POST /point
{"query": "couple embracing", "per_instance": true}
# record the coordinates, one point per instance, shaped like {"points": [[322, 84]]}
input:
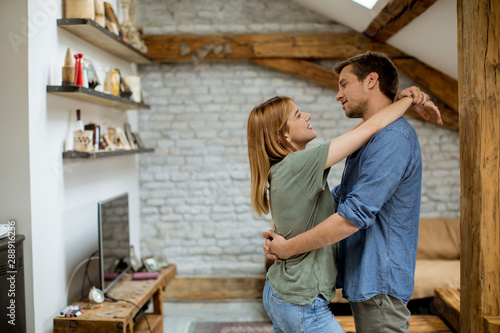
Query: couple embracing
{"points": [[362, 236]]}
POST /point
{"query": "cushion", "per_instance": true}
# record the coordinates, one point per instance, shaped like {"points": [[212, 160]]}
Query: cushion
{"points": [[432, 274], [439, 238], [338, 297]]}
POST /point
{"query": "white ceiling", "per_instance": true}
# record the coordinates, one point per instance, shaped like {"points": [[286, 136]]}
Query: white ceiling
{"points": [[431, 37]]}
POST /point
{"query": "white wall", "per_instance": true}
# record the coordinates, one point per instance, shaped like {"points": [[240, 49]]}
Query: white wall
{"points": [[54, 201], [14, 150]]}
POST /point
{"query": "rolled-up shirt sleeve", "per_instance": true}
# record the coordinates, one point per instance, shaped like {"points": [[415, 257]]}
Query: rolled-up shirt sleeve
{"points": [[383, 165], [336, 196]]}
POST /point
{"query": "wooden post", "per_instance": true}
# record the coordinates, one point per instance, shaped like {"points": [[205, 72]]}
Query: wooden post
{"points": [[479, 118]]}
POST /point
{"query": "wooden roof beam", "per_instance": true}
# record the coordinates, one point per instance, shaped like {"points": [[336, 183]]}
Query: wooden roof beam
{"points": [[278, 50], [173, 48], [303, 69], [394, 16], [436, 83]]}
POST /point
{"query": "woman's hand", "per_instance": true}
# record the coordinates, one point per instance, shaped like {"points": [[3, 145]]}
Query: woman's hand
{"points": [[421, 103], [275, 246]]}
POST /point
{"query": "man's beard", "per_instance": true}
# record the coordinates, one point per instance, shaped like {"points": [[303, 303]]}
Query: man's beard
{"points": [[357, 110]]}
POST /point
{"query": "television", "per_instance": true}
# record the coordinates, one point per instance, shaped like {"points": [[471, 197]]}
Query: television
{"points": [[114, 242]]}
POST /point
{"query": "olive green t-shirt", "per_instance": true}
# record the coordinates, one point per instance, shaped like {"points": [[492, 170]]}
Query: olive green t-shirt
{"points": [[300, 199]]}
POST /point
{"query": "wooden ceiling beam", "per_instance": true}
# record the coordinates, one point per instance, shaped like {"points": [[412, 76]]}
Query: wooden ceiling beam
{"points": [[303, 69], [173, 48], [438, 84], [394, 16], [289, 53]]}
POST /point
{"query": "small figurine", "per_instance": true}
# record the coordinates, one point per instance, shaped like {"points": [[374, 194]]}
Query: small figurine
{"points": [[78, 69], [68, 70]]}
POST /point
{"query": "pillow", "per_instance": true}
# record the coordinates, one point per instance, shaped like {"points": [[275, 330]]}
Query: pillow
{"points": [[432, 274], [439, 238]]}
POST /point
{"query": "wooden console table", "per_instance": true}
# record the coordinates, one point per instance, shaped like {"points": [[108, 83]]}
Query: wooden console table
{"points": [[119, 316]]}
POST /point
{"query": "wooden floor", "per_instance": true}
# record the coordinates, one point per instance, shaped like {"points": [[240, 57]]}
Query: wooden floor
{"points": [[418, 323]]}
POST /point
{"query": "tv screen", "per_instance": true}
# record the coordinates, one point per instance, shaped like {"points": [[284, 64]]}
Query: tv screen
{"points": [[114, 243]]}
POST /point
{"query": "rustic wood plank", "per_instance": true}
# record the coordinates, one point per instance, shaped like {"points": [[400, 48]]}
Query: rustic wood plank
{"points": [[440, 85], [93, 96], [303, 69], [172, 48], [215, 288], [450, 118], [158, 301], [155, 322], [322, 46], [96, 35], [479, 96], [447, 302], [492, 324], [394, 16], [418, 323], [347, 323], [118, 316]]}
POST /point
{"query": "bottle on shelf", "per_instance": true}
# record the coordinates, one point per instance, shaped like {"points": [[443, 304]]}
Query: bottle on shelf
{"points": [[82, 139], [115, 81], [79, 122], [108, 82]]}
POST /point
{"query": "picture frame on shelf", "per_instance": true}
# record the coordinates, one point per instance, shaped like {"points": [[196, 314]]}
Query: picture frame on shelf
{"points": [[150, 264], [92, 78], [161, 261], [130, 136], [109, 144], [112, 135], [110, 16], [122, 140], [138, 141], [135, 263]]}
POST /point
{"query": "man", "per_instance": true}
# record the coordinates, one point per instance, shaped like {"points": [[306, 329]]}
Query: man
{"points": [[378, 203]]}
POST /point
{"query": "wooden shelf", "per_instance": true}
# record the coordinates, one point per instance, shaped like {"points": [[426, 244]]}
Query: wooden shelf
{"points": [[104, 153], [99, 36], [92, 96]]}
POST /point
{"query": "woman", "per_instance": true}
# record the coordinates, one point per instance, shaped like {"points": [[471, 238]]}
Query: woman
{"points": [[298, 290]]}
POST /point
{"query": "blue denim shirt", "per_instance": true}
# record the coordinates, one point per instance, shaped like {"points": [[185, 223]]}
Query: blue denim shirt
{"points": [[380, 195]]}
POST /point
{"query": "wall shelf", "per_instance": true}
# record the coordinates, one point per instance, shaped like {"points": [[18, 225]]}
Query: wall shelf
{"points": [[96, 97], [93, 33], [104, 153]]}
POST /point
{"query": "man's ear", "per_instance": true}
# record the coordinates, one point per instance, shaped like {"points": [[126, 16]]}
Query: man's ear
{"points": [[372, 80]]}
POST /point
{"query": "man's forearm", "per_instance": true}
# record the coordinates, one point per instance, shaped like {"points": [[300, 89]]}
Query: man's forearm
{"points": [[332, 230]]}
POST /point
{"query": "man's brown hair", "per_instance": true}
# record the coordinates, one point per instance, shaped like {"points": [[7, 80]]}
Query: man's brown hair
{"points": [[366, 63]]}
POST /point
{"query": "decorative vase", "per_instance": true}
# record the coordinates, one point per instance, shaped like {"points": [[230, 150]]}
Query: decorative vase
{"points": [[79, 9]]}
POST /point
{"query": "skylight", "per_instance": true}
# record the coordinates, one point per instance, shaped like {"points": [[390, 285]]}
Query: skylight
{"points": [[366, 3]]}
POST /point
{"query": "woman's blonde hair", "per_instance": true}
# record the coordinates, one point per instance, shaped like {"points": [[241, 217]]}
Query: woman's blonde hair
{"points": [[266, 128]]}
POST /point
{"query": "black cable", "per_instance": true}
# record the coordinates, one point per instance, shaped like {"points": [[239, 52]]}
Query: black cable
{"points": [[86, 274], [124, 300]]}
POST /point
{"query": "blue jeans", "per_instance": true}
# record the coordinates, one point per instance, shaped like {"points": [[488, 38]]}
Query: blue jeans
{"points": [[293, 318]]}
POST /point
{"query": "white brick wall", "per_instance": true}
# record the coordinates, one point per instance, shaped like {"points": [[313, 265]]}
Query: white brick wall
{"points": [[195, 187]]}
